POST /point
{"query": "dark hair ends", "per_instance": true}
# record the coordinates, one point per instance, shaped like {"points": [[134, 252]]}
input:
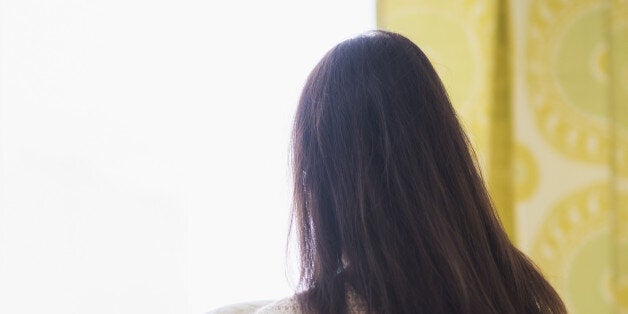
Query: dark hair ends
{"points": [[388, 199]]}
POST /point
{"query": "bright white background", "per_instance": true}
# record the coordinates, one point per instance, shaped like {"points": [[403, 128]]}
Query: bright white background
{"points": [[144, 143]]}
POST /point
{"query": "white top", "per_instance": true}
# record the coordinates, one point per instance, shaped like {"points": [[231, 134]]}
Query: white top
{"points": [[283, 306]]}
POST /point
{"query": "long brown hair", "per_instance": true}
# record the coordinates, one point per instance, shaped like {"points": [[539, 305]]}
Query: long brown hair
{"points": [[388, 199]]}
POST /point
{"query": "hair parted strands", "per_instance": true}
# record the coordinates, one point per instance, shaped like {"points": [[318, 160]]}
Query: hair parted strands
{"points": [[388, 199]]}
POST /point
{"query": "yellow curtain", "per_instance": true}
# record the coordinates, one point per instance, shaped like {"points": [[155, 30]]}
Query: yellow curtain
{"points": [[542, 88]]}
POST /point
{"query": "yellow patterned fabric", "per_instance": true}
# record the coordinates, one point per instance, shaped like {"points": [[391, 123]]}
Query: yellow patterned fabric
{"points": [[542, 88]]}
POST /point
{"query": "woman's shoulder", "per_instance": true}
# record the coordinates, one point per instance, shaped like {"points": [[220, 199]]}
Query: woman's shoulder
{"points": [[240, 308], [284, 306], [289, 305]]}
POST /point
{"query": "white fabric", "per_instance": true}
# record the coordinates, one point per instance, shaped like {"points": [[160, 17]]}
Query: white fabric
{"points": [[283, 306], [241, 308]]}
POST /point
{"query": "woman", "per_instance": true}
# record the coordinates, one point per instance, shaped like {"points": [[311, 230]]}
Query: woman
{"points": [[390, 210]]}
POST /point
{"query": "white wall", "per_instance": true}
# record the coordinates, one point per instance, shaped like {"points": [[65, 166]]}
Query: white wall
{"points": [[143, 144]]}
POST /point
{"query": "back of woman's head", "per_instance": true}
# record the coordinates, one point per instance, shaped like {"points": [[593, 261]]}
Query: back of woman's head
{"points": [[387, 198]]}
